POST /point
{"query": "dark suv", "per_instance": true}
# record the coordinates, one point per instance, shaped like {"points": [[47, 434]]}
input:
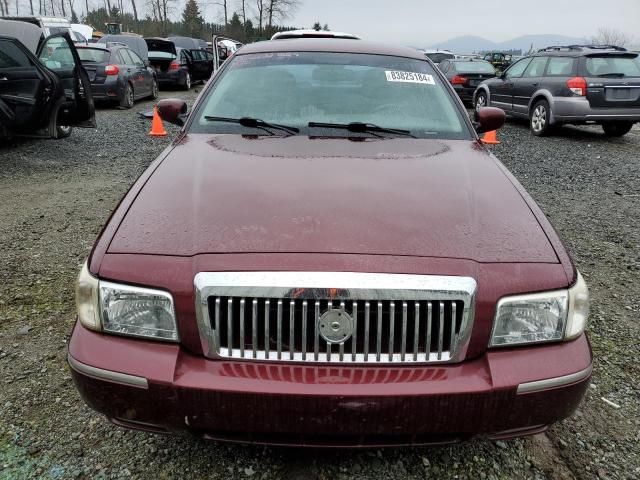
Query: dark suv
{"points": [[577, 84]]}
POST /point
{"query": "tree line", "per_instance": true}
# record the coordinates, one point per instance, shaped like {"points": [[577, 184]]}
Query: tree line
{"points": [[244, 20]]}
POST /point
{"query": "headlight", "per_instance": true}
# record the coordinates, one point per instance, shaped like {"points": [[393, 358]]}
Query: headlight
{"points": [[541, 317], [125, 310]]}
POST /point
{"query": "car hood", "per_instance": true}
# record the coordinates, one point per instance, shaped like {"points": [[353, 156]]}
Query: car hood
{"points": [[406, 197]]}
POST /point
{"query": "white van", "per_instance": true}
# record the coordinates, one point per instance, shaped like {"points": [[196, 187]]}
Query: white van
{"points": [[51, 26]]}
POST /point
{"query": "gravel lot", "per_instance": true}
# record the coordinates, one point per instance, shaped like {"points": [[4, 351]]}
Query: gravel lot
{"points": [[56, 195]]}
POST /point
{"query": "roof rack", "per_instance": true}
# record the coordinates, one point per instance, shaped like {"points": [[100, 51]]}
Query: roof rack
{"points": [[580, 48]]}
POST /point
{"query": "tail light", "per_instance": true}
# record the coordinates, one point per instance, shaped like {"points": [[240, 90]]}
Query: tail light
{"points": [[175, 65], [578, 86], [459, 80], [111, 70]]}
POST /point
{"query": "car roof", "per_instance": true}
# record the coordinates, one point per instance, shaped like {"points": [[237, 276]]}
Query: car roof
{"points": [[333, 45], [27, 33]]}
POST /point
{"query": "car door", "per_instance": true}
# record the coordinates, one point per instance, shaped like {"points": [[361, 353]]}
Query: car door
{"points": [[24, 87], [143, 72], [525, 86], [60, 58], [198, 67], [501, 89], [133, 75]]}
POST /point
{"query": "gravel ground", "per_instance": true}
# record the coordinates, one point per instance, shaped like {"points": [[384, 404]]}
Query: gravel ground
{"points": [[56, 195]]}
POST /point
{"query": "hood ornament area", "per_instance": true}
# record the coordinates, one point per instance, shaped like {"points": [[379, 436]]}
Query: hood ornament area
{"points": [[335, 326]]}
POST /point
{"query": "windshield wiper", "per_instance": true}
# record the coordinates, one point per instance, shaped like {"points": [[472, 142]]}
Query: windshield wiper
{"points": [[358, 127], [613, 75], [254, 123]]}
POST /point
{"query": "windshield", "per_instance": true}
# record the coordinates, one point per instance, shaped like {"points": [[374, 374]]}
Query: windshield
{"points": [[475, 67], [611, 65], [93, 55], [439, 57], [296, 88]]}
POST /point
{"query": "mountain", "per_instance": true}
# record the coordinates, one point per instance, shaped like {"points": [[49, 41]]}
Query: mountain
{"points": [[471, 43]]}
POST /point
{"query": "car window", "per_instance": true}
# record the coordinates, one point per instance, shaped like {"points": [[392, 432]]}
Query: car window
{"points": [[11, 56], [611, 65], [475, 67], [561, 66], [56, 54], [197, 54], [124, 54], [444, 66], [135, 58], [516, 70], [535, 68], [183, 56], [439, 57], [93, 55], [295, 88]]}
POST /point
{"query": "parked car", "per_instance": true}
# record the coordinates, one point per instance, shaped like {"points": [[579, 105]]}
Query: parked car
{"points": [[499, 60], [570, 85], [51, 25], [466, 74], [437, 56], [402, 289], [175, 66], [133, 41], [44, 91], [117, 73]]}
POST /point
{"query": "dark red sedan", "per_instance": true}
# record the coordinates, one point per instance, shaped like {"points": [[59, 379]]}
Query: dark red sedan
{"points": [[327, 255]]}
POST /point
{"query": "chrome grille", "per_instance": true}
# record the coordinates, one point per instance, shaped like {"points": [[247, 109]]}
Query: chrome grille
{"points": [[279, 316]]}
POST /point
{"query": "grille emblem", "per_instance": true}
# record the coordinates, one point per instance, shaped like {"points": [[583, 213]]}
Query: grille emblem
{"points": [[335, 326]]}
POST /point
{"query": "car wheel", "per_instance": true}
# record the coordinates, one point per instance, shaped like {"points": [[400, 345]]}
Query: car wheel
{"points": [[481, 100], [63, 131], [127, 97], [539, 118], [187, 82], [616, 129], [154, 89]]}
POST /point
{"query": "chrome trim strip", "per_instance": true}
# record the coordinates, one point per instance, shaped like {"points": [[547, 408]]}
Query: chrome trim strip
{"points": [[107, 375], [548, 383], [371, 288]]}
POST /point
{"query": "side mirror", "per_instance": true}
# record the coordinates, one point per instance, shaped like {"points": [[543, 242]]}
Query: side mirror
{"points": [[173, 110], [489, 119]]}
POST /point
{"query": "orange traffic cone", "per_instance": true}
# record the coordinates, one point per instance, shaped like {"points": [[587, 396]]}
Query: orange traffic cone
{"points": [[157, 128], [490, 138]]}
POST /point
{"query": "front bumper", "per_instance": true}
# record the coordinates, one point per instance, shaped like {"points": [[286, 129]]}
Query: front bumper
{"points": [[162, 388], [578, 110]]}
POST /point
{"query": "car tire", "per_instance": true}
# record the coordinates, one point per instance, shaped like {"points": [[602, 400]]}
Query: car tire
{"points": [[539, 118], [481, 100], [154, 90], [56, 130], [616, 129], [63, 131], [187, 82], [127, 97]]}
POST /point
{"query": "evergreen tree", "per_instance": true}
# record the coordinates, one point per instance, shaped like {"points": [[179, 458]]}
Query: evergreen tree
{"points": [[326, 27], [235, 29], [192, 21], [317, 26]]}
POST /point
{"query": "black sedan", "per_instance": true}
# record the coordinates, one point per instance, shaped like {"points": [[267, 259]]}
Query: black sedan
{"points": [[44, 91], [466, 74], [117, 73], [176, 66]]}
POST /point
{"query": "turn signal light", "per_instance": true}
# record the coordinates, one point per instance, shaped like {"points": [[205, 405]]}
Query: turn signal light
{"points": [[458, 80], [578, 86], [111, 70]]}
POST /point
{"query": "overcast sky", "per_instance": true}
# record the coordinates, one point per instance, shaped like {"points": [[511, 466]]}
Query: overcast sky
{"points": [[426, 22]]}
